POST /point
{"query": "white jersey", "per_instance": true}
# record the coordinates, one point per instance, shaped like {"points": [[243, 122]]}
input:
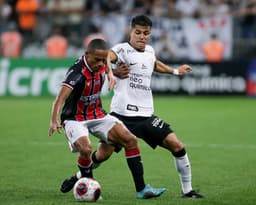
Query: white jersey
{"points": [[133, 95]]}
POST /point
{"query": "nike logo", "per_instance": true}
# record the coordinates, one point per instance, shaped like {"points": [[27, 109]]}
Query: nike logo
{"points": [[133, 64], [161, 126], [87, 171]]}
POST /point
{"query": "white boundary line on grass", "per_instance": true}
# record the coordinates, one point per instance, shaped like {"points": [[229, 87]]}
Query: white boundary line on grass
{"points": [[223, 146], [142, 144]]}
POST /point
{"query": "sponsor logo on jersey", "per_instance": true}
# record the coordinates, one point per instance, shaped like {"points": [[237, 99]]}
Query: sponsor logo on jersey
{"points": [[132, 108], [136, 82], [90, 99]]}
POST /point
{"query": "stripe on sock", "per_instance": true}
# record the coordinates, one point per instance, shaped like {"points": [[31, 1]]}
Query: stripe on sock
{"points": [[134, 152], [84, 162]]}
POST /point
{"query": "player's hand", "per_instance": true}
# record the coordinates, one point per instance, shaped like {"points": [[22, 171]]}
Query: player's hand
{"points": [[184, 69], [54, 126], [122, 71]]}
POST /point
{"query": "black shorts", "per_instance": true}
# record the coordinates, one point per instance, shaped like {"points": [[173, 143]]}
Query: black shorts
{"points": [[152, 130]]}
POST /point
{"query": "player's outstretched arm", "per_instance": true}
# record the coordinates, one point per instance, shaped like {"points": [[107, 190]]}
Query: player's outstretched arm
{"points": [[163, 68], [56, 107]]}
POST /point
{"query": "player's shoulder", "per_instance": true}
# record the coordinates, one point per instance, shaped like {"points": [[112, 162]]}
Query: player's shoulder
{"points": [[120, 47], [76, 67], [78, 63], [149, 48]]}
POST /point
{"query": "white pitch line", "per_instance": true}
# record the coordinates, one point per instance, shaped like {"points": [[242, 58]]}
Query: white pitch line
{"points": [[224, 146], [141, 144]]}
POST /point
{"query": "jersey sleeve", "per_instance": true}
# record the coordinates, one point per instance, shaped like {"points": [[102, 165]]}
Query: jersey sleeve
{"points": [[152, 50], [119, 51], [73, 76]]}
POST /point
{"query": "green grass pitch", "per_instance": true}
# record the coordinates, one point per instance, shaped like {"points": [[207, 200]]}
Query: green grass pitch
{"points": [[219, 134]]}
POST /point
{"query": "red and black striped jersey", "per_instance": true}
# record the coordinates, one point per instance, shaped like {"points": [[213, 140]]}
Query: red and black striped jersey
{"points": [[84, 103]]}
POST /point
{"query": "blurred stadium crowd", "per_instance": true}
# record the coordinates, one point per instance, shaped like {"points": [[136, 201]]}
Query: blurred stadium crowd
{"points": [[73, 22]]}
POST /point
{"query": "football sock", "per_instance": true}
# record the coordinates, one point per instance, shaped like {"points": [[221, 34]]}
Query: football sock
{"points": [[134, 162], [184, 169], [94, 158], [85, 166]]}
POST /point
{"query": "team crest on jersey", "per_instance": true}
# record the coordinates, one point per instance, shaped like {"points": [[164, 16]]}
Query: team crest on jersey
{"points": [[144, 67]]}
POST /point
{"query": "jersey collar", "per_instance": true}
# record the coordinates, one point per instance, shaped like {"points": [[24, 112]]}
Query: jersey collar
{"points": [[86, 64], [136, 49]]}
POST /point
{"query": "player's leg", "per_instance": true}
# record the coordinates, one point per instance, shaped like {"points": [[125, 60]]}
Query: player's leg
{"points": [[182, 164], [154, 131], [84, 161], [84, 164], [103, 152], [79, 141], [121, 135]]}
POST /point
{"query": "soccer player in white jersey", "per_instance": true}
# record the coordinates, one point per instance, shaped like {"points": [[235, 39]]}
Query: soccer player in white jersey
{"points": [[132, 102]]}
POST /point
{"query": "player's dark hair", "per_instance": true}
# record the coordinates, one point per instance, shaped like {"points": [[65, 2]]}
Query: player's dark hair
{"points": [[141, 20], [97, 44]]}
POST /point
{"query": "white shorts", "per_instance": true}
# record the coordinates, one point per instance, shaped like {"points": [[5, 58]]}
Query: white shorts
{"points": [[98, 127]]}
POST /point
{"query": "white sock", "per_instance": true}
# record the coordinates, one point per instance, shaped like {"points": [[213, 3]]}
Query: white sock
{"points": [[183, 167]]}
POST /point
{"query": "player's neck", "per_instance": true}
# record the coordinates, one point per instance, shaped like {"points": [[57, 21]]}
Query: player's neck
{"points": [[137, 49]]}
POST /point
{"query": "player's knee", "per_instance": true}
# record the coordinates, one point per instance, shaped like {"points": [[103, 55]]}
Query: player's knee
{"points": [[172, 143], [130, 140], [123, 136], [84, 149]]}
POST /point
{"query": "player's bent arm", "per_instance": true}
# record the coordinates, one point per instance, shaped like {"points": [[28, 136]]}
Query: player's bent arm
{"points": [[112, 56], [122, 70], [109, 71], [111, 80], [56, 107]]}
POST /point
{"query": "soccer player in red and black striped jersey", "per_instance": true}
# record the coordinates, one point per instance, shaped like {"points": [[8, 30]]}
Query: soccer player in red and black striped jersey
{"points": [[83, 113]]}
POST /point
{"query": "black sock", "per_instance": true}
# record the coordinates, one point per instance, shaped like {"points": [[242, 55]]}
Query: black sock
{"points": [[180, 153], [85, 167], [134, 162], [94, 159]]}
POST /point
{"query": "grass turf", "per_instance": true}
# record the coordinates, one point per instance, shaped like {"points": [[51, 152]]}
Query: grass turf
{"points": [[219, 134]]}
